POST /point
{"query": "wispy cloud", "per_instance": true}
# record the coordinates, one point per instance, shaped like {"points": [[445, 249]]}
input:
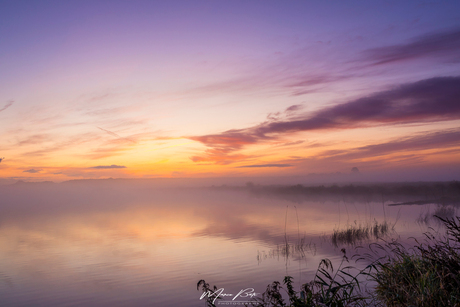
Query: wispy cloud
{"points": [[294, 108], [54, 145], [304, 83], [445, 44], [32, 171], [107, 166], [265, 165], [34, 139], [292, 143], [116, 135], [417, 149], [433, 99], [422, 141], [429, 100], [9, 103], [219, 157]]}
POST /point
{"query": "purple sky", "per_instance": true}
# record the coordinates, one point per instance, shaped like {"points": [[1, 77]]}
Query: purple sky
{"points": [[97, 89]]}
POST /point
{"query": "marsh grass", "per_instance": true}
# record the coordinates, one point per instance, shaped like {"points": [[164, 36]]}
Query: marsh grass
{"points": [[330, 287], [299, 248], [426, 275], [287, 251], [357, 233], [443, 211]]}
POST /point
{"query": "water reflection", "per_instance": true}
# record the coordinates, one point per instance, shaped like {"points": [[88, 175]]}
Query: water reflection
{"points": [[128, 244]]}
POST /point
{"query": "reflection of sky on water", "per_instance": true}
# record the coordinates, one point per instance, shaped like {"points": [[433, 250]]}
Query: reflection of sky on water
{"points": [[127, 245]]}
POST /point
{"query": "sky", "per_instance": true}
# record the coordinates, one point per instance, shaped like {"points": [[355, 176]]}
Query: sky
{"points": [[204, 89]]}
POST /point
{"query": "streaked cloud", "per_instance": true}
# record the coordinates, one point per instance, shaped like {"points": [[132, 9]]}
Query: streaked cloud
{"points": [[292, 143], [265, 165], [9, 103], [429, 100], [423, 148], [32, 171], [421, 141], [107, 166], [219, 157], [55, 144], [34, 139], [116, 135], [445, 44], [294, 108]]}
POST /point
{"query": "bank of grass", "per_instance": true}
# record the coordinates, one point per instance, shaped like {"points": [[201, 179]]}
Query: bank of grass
{"points": [[429, 275], [426, 275]]}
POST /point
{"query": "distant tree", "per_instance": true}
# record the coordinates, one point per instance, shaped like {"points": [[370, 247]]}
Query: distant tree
{"points": [[249, 184], [355, 170]]}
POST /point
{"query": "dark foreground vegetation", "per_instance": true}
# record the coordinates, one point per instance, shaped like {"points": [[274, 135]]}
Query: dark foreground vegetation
{"points": [[427, 274]]}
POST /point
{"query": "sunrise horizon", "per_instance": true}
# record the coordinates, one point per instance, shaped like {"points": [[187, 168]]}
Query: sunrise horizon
{"points": [[152, 150]]}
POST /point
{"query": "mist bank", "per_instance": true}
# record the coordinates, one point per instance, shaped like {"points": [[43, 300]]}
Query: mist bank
{"points": [[146, 210], [396, 193], [110, 192], [355, 176], [278, 185]]}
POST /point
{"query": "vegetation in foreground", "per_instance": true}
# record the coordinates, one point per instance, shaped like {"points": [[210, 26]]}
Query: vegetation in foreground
{"points": [[426, 275]]}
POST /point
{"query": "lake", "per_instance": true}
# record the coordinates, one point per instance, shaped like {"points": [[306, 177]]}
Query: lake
{"points": [[119, 243]]}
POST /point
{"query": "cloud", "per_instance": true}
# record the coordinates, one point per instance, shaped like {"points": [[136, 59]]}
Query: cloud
{"points": [[219, 157], [34, 139], [423, 141], [437, 44], [116, 135], [55, 145], [293, 108], [312, 69], [265, 165], [1, 159], [108, 166], [422, 149], [106, 152], [302, 84], [429, 100], [7, 105], [292, 143], [32, 171]]}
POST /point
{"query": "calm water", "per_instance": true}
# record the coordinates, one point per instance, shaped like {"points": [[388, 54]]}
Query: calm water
{"points": [[86, 244]]}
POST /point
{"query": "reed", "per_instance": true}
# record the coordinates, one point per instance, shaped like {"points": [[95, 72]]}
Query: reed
{"points": [[427, 275], [357, 233], [330, 287]]}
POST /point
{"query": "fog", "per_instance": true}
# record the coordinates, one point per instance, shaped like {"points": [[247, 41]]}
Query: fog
{"points": [[106, 242]]}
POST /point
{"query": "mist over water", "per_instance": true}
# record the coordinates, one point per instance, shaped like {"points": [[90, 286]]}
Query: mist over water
{"points": [[131, 243]]}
